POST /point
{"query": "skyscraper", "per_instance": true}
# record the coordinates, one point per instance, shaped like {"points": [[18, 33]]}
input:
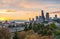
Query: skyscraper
{"points": [[32, 19], [40, 19], [29, 19], [37, 18], [55, 18], [47, 16], [43, 15]]}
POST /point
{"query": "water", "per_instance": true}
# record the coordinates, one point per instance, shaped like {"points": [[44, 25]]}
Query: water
{"points": [[14, 29]]}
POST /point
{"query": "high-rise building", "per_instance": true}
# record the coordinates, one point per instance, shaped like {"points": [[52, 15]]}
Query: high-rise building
{"points": [[37, 18], [40, 19], [55, 18], [29, 19], [47, 16], [32, 19], [43, 15]]}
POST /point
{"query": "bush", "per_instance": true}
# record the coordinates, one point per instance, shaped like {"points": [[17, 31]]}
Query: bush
{"points": [[57, 32], [33, 36], [21, 35], [5, 33], [15, 35], [30, 32]]}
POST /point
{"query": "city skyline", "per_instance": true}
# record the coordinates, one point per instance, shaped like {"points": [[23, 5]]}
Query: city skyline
{"points": [[25, 9]]}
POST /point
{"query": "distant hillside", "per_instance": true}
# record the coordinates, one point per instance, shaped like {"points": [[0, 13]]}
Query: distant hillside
{"points": [[20, 20]]}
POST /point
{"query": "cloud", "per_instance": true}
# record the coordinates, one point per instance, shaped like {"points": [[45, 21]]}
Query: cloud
{"points": [[27, 8], [28, 5]]}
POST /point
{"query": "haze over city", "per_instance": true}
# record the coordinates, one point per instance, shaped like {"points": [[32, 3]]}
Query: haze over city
{"points": [[29, 19], [25, 9]]}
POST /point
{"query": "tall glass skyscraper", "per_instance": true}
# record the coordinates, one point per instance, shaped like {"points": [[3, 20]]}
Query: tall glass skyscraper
{"points": [[43, 15], [47, 16]]}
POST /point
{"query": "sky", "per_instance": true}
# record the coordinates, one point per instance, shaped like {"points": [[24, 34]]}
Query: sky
{"points": [[25, 9]]}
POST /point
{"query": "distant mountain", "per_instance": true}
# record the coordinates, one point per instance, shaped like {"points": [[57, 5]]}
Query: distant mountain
{"points": [[20, 20]]}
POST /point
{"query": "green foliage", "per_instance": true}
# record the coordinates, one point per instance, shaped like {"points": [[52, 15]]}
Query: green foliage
{"points": [[26, 28], [41, 28], [15, 35], [49, 32], [38, 27], [58, 20], [45, 21], [44, 32], [57, 32], [57, 37], [52, 26], [35, 28], [30, 26]]}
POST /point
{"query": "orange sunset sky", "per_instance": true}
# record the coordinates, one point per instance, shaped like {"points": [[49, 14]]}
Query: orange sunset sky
{"points": [[25, 9]]}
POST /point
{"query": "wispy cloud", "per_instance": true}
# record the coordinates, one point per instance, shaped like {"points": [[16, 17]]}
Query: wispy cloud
{"points": [[30, 7]]}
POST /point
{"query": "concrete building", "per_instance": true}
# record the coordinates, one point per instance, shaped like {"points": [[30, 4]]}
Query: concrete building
{"points": [[42, 13], [47, 17], [55, 18]]}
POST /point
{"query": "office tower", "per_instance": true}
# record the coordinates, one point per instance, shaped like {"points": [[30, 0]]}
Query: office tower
{"points": [[47, 16], [32, 19], [29, 19], [40, 19], [37, 18], [55, 18], [43, 15], [50, 19]]}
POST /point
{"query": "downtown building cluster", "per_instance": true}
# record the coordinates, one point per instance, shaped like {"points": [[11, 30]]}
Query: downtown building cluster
{"points": [[42, 18]]}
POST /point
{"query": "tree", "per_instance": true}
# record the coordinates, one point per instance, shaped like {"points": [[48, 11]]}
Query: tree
{"points": [[22, 34], [15, 35], [5, 33], [35, 28], [39, 26], [52, 26], [30, 26], [57, 32], [30, 32], [26, 28], [33, 36]]}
